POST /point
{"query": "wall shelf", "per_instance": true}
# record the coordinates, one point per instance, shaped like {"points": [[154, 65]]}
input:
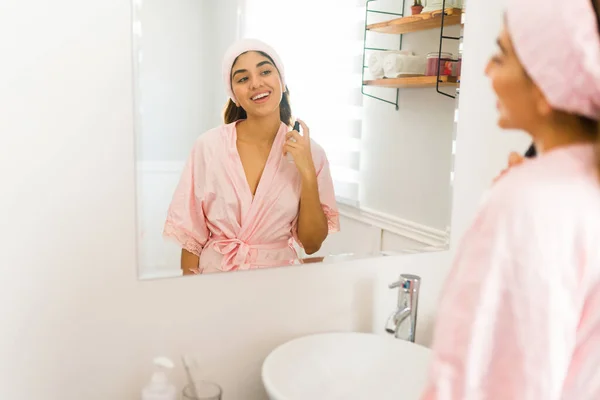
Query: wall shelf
{"points": [[418, 81], [400, 25], [420, 22]]}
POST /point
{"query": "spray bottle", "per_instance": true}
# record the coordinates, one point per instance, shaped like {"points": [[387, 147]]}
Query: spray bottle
{"points": [[296, 128]]}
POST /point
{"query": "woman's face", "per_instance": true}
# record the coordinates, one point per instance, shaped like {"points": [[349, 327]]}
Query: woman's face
{"points": [[256, 84], [521, 104]]}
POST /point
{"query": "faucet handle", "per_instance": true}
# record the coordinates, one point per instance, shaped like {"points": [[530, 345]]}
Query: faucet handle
{"points": [[394, 285], [406, 281]]}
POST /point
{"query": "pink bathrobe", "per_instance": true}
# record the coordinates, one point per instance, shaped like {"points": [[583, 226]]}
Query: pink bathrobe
{"points": [[519, 318], [214, 215]]}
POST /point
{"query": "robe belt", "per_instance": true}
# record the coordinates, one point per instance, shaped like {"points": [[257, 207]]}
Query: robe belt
{"points": [[235, 251]]}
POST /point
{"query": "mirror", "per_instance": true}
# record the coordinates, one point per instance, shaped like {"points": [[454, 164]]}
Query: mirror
{"points": [[364, 78]]}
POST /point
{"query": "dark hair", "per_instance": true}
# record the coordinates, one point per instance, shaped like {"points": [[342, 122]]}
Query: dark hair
{"points": [[234, 113], [596, 5]]}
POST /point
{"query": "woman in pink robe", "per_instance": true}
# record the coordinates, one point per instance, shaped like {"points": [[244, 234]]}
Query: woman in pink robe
{"points": [[519, 317], [241, 202]]}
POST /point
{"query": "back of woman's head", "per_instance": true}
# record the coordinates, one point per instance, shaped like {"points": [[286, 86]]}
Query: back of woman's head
{"points": [[558, 44]]}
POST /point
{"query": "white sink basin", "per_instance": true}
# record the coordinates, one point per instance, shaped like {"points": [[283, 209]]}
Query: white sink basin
{"points": [[346, 366]]}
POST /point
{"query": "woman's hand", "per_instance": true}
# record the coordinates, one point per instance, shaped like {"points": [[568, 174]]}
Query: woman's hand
{"points": [[311, 260], [514, 159], [299, 147], [190, 271], [312, 222], [189, 263]]}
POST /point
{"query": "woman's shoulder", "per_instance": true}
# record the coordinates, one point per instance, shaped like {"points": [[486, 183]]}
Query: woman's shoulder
{"points": [[560, 183], [547, 208], [213, 137]]}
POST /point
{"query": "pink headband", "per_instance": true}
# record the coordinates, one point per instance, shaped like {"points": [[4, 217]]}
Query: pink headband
{"points": [[243, 46], [558, 43]]}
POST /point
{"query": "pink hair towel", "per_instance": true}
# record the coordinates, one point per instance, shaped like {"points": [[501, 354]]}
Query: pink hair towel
{"points": [[558, 43]]}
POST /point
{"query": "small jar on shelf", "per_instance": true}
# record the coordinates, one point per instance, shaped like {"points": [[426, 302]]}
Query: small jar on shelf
{"points": [[449, 65]]}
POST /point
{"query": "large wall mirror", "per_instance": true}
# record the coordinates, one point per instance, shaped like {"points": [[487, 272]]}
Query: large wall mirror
{"points": [[375, 82]]}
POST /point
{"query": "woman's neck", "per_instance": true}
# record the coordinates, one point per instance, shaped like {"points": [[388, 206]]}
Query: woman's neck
{"points": [[563, 131], [260, 129]]}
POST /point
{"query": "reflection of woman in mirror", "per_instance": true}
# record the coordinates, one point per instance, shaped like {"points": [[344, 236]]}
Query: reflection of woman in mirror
{"points": [[241, 202], [518, 318]]}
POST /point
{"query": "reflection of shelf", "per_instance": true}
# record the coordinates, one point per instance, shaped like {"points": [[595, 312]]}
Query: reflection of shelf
{"points": [[420, 22], [414, 82]]}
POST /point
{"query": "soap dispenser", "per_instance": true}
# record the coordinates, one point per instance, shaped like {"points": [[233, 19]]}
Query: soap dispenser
{"points": [[159, 387]]}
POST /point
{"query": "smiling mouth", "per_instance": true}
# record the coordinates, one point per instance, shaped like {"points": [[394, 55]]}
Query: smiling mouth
{"points": [[261, 97]]}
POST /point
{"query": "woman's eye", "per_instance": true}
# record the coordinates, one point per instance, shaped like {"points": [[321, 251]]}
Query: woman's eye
{"points": [[244, 79], [267, 72]]}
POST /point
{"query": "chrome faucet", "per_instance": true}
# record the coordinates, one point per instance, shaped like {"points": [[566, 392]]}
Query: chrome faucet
{"points": [[403, 322]]}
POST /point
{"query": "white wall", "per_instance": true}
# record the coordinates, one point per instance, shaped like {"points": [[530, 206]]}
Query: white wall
{"points": [[155, 184], [76, 322], [226, 30], [176, 82]]}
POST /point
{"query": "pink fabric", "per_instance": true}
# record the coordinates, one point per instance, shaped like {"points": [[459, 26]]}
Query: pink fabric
{"points": [[243, 46], [519, 316], [558, 43], [214, 215]]}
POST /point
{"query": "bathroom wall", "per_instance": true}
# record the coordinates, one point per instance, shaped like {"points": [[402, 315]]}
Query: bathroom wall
{"points": [[76, 322], [416, 139], [225, 15], [171, 53]]}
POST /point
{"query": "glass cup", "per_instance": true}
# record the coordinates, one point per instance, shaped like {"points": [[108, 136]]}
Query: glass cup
{"points": [[204, 391]]}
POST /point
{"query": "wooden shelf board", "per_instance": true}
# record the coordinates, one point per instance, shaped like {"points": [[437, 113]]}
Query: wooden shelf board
{"points": [[420, 22], [418, 81]]}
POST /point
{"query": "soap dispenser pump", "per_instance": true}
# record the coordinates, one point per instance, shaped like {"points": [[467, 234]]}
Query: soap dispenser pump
{"points": [[159, 387]]}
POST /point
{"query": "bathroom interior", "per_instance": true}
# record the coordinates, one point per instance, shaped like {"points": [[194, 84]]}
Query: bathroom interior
{"points": [[114, 93]]}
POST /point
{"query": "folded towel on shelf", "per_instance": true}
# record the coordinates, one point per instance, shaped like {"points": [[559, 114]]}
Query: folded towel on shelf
{"points": [[375, 65], [395, 65], [376, 60]]}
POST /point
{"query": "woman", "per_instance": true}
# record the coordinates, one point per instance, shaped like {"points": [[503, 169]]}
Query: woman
{"points": [[240, 202], [519, 317]]}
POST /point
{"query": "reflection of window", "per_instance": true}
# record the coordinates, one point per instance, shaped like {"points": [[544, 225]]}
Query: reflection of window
{"points": [[320, 42]]}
